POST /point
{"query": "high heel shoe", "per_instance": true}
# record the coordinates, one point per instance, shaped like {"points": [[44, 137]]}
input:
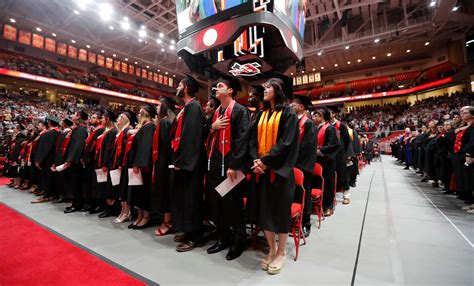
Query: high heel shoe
{"points": [[146, 225], [275, 269], [122, 218], [159, 232]]}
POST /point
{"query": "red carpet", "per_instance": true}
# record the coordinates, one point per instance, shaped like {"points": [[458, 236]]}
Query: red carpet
{"points": [[32, 255], [4, 181]]}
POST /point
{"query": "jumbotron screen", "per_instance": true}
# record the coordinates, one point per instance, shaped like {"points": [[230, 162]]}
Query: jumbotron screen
{"points": [[191, 12], [295, 10]]}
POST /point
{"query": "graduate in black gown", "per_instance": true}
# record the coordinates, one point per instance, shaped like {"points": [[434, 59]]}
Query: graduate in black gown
{"points": [[61, 146], [104, 159], [327, 149], [306, 154], [274, 145], [125, 123], [466, 151], [188, 159], [91, 204], [142, 163], [44, 158], [227, 150], [35, 171], [74, 173], [161, 155]]}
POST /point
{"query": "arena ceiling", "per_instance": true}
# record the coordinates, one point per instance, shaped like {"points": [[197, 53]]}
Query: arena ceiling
{"points": [[337, 31]]}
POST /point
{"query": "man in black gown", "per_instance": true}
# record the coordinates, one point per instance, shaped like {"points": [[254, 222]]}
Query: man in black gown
{"points": [[227, 150], [306, 155], [188, 162]]}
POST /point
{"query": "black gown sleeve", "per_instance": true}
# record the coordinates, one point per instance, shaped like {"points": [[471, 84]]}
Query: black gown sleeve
{"points": [[307, 150], [46, 146], [331, 143], [240, 121], [345, 138], [164, 152], [253, 141], [108, 149], [187, 155], [283, 155], [142, 143], [76, 145]]}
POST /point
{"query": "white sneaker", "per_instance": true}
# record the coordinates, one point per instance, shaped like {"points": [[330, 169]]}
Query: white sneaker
{"points": [[466, 208], [471, 211]]}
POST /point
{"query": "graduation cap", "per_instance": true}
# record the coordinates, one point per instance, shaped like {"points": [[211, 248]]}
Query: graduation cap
{"points": [[110, 114], [333, 109], [150, 109], [257, 90], [191, 83], [169, 102], [68, 122], [131, 116], [286, 83], [325, 113], [83, 114], [53, 120], [303, 100], [231, 82]]}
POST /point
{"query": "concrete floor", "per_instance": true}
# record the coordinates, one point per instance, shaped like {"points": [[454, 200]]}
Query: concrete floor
{"points": [[409, 234]]}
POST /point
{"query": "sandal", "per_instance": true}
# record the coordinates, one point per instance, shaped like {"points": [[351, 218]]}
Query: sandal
{"points": [[272, 269], [159, 232]]}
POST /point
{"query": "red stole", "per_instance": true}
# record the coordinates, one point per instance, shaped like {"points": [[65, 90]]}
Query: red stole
{"points": [[179, 128], [29, 148], [91, 136], [128, 147], [66, 142], [301, 125], [458, 141], [321, 134], [98, 151], [118, 146], [337, 125]]}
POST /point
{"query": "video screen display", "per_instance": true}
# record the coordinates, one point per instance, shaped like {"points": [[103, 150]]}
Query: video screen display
{"points": [[190, 12], [295, 10]]}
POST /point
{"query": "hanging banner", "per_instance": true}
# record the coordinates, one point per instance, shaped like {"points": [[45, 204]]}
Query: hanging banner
{"points": [[62, 49], [170, 82], [137, 71], [155, 77], [100, 60], [144, 73], [50, 45], [150, 75], [131, 69], [109, 63], [24, 37], [92, 58], [160, 78], [117, 65], [38, 41], [165, 80], [9, 32], [82, 55], [124, 67], [72, 52]]}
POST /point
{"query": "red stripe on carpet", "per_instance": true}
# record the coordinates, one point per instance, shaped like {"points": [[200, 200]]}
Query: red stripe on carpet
{"points": [[4, 181], [32, 255]]}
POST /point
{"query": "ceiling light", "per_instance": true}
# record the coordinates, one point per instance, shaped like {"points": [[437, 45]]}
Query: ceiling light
{"points": [[159, 70], [172, 47], [427, 43], [12, 20], [147, 67], [102, 51], [408, 51], [348, 62], [320, 53], [142, 27], [88, 46], [136, 63], [401, 86], [82, 4], [72, 41], [54, 34], [161, 35], [173, 42], [126, 59], [346, 47], [38, 29], [166, 72], [142, 33], [322, 68], [111, 27], [162, 49], [291, 73], [314, 69], [359, 60], [455, 8], [106, 11], [174, 75], [433, 3], [140, 40], [302, 71], [389, 54], [373, 58], [76, 12], [335, 65], [159, 41], [179, 58], [377, 40], [125, 24], [114, 55]]}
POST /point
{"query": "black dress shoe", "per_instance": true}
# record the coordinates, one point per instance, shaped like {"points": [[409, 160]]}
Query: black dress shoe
{"points": [[306, 231], [146, 225], [70, 210], [217, 247], [132, 226], [85, 209], [236, 250], [96, 210]]}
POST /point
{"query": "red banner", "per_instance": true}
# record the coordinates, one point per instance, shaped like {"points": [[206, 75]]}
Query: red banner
{"points": [[170, 82], [100, 60], [83, 55], [155, 77], [165, 80], [150, 75], [92, 58], [160, 78], [24, 37], [72, 52], [131, 69], [137, 71], [144, 73], [117, 65], [124, 67], [109, 63], [9, 32], [50, 45], [38, 41], [62, 49]]}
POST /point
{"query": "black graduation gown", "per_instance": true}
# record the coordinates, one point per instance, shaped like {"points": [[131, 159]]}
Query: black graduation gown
{"points": [[187, 183], [306, 160], [120, 162], [228, 210], [467, 147], [330, 150], [58, 177], [353, 170], [89, 179], [341, 169], [275, 198], [160, 193], [105, 190], [45, 157], [140, 157], [74, 174], [430, 149]]}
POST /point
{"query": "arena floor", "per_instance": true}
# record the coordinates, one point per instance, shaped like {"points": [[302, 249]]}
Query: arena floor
{"points": [[396, 231]]}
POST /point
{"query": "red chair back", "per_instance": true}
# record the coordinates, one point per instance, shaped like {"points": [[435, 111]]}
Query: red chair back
{"points": [[299, 177], [318, 170]]}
